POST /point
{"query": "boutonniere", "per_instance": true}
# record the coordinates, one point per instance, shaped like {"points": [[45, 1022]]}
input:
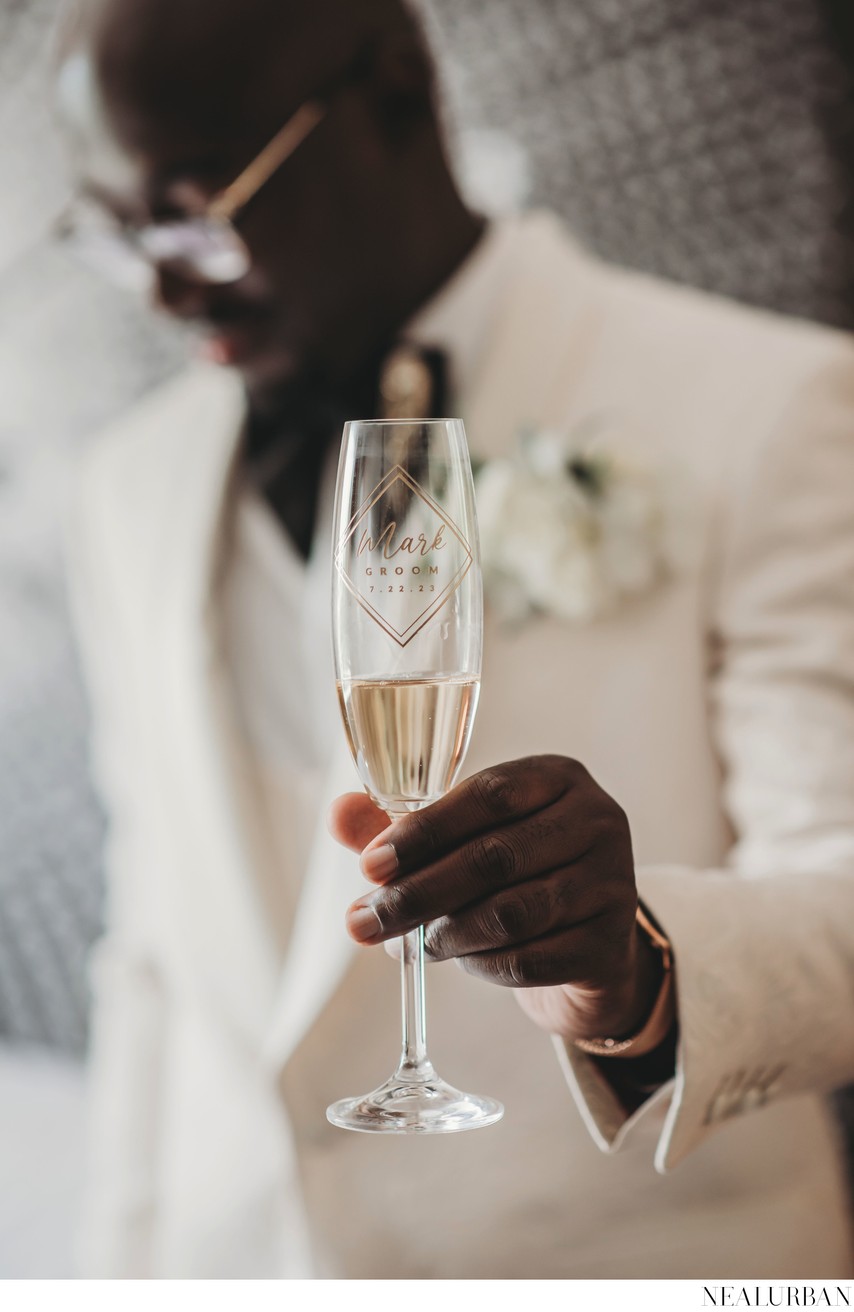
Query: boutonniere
{"points": [[570, 530]]}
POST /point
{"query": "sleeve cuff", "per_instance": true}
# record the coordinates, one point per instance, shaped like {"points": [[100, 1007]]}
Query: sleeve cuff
{"points": [[607, 1121], [755, 1025]]}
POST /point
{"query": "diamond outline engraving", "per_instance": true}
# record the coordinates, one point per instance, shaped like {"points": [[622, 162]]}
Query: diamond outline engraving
{"points": [[395, 474]]}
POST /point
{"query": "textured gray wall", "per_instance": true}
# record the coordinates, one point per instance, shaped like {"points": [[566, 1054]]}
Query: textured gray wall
{"points": [[72, 354], [703, 140]]}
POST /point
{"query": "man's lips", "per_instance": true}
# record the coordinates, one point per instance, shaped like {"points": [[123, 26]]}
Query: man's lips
{"points": [[229, 343], [219, 350], [253, 340]]}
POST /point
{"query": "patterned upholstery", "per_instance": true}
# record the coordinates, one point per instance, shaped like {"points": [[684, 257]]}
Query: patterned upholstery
{"points": [[49, 838], [702, 140], [72, 355]]}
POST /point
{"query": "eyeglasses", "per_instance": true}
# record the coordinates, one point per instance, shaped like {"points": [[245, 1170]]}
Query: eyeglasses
{"points": [[206, 247]]}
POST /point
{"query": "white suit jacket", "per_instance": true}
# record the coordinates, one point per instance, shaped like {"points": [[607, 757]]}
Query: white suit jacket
{"points": [[719, 712]]}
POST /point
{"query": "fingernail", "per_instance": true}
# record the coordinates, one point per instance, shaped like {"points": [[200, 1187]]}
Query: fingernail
{"points": [[379, 839], [379, 862], [363, 922]]}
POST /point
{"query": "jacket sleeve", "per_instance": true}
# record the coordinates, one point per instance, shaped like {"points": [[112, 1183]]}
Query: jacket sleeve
{"points": [[129, 998], [764, 947]]}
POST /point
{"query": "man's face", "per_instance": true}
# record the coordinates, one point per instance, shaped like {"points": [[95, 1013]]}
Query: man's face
{"points": [[158, 142]]}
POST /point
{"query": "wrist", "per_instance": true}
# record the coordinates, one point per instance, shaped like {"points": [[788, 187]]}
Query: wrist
{"points": [[650, 1015], [634, 1079]]}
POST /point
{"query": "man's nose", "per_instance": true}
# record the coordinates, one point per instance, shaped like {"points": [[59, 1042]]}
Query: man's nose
{"points": [[178, 294]]}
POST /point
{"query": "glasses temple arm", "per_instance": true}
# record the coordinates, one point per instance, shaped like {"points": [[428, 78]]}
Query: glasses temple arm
{"points": [[233, 197]]}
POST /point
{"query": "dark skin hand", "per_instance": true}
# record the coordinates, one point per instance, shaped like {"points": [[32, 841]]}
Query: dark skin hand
{"points": [[524, 875]]}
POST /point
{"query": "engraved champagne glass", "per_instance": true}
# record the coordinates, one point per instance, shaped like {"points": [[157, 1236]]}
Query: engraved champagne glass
{"points": [[407, 622]]}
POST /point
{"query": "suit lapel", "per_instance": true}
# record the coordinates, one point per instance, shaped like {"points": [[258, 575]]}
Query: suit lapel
{"points": [[208, 785], [219, 895], [539, 340], [320, 950]]}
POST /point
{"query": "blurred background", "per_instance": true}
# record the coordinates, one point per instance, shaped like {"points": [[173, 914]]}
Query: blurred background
{"points": [[707, 141]]}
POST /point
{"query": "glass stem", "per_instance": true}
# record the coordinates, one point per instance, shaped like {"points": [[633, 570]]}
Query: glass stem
{"points": [[414, 1063]]}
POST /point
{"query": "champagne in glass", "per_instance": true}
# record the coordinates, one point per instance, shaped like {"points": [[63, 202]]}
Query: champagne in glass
{"points": [[408, 736], [407, 632]]}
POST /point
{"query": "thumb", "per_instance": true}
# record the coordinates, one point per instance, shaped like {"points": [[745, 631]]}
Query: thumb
{"points": [[354, 820]]}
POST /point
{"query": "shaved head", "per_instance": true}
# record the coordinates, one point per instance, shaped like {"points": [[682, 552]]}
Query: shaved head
{"points": [[214, 65], [167, 102]]}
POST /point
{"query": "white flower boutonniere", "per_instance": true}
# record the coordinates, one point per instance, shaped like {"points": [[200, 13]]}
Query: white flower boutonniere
{"points": [[568, 531]]}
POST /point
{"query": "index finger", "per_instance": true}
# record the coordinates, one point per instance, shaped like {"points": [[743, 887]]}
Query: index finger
{"points": [[487, 800]]}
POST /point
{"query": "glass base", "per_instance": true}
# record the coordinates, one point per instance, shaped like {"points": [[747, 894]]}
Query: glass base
{"points": [[422, 1105]]}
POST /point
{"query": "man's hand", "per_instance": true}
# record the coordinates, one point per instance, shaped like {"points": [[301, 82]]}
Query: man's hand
{"points": [[524, 875]]}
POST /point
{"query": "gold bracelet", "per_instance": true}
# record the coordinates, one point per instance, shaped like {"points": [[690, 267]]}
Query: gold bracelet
{"points": [[659, 1019]]}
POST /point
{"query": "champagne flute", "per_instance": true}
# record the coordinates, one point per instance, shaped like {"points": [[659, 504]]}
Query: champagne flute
{"points": [[407, 621]]}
